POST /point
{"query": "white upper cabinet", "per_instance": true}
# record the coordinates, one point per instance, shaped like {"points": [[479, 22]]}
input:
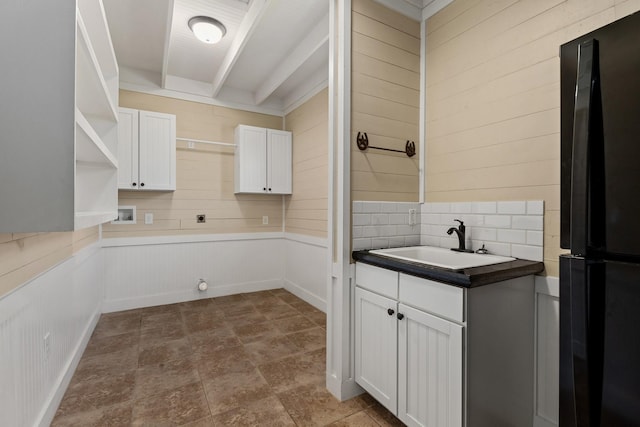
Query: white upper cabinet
{"points": [[147, 150], [262, 160], [58, 92]]}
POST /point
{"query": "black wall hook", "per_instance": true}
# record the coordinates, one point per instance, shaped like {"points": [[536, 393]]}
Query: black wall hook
{"points": [[362, 140]]}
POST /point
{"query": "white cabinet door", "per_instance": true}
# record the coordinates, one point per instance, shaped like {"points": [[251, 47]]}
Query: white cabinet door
{"points": [[251, 160], [157, 150], [429, 370], [128, 149], [278, 162], [376, 346]]}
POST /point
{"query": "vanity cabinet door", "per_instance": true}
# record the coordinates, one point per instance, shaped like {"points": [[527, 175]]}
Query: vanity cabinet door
{"points": [[376, 346], [429, 370]]}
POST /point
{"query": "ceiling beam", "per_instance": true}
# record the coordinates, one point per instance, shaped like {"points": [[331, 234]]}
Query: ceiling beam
{"points": [[246, 28], [167, 43], [315, 39]]}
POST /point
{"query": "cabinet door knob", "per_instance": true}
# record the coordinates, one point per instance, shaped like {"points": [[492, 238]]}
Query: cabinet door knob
{"points": [[264, 188], [400, 316], [142, 184], [134, 184], [269, 189], [390, 311]]}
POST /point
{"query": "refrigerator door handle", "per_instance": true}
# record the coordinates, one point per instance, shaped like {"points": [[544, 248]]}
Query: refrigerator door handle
{"points": [[586, 97], [587, 335]]}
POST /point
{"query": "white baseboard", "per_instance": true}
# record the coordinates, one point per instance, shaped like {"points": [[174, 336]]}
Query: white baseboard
{"points": [[190, 295], [307, 296], [64, 379]]}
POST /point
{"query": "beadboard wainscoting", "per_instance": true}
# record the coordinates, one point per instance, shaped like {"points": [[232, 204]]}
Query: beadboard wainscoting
{"points": [[547, 351], [305, 272], [45, 325], [148, 271]]}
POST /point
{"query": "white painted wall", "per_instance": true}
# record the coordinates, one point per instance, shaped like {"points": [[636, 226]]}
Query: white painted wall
{"points": [[305, 273], [149, 271], [64, 302]]}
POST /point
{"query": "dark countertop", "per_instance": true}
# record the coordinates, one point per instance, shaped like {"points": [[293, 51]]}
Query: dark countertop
{"points": [[464, 278]]}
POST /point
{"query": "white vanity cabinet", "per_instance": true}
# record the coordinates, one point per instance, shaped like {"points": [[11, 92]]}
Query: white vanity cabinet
{"points": [[59, 89], [437, 355], [146, 150], [262, 160]]}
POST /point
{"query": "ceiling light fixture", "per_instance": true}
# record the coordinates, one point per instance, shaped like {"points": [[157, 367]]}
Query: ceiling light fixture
{"points": [[206, 29]]}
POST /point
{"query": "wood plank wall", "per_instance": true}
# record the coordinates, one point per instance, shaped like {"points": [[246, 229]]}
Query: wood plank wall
{"points": [[204, 176], [23, 256], [493, 104], [385, 102], [306, 208]]}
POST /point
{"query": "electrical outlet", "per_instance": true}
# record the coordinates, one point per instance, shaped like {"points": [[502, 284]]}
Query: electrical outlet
{"points": [[265, 220], [47, 344], [191, 145], [412, 217], [148, 218], [201, 218]]}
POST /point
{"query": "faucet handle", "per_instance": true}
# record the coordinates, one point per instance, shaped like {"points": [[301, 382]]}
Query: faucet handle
{"points": [[461, 222]]}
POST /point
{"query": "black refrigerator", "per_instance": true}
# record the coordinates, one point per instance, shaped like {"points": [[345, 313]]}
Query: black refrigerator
{"points": [[600, 224]]}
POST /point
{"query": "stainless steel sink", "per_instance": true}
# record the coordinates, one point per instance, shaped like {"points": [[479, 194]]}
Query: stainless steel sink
{"points": [[441, 257]]}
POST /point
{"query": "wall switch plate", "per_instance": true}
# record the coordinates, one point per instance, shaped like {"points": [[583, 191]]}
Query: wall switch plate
{"points": [[412, 217], [148, 218], [265, 220], [201, 218]]}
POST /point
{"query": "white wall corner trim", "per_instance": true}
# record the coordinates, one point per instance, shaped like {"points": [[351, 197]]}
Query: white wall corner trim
{"points": [[546, 392], [44, 328]]}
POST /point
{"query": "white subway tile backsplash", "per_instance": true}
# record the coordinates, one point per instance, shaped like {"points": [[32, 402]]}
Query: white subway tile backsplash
{"points": [[512, 208], [407, 230], [379, 219], [379, 243], [512, 236], [533, 253], [412, 240], [361, 219], [440, 207], [535, 207], [461, 207], [484, 207], [427, 240], [478, 233], [527, 222], [509, 228], [503, 249], [535, 238], [371, 207], [388, 207], [497, 221], [395, 242], [398, 219], [371, 231], [430, 218], [359, 244]]}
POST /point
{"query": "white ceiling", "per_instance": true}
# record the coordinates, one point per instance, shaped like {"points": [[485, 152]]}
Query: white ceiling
{"points": [[274, 54]]}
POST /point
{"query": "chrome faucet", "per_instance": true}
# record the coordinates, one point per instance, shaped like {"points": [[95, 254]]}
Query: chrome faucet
{"points": [[461, 237]]}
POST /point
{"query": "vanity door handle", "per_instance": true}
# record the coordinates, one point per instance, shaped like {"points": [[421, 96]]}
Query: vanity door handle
{"points": [[400, 316], [390, 311]]}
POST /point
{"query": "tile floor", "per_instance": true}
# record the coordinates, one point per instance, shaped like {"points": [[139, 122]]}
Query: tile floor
{"points": [[255, 359]]}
